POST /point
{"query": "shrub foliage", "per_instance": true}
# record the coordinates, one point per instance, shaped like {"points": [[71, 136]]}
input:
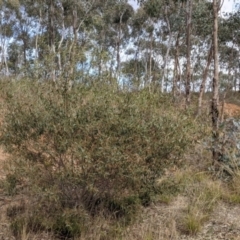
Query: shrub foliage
{"points": [[90, 148]]}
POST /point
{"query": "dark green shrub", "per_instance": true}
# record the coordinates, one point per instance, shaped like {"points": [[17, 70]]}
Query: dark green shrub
{"points": [[17, 225], [67, 225], [11, 184]]}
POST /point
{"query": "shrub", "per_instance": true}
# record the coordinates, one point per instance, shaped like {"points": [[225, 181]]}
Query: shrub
{"points": [[100, 150]]}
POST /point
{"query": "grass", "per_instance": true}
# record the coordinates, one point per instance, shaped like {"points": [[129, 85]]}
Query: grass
{"points": [[231, 193], [204, 193]]}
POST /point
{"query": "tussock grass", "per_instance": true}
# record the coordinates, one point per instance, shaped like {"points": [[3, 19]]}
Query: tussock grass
{"points": [[231, 193], [203, 193]]}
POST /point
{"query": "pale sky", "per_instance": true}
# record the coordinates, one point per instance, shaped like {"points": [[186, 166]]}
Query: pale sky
{"points": [[133, 3], [228, 5]]}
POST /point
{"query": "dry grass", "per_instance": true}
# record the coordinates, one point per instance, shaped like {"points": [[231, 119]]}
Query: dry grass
{"points": [[190, 214], [158, 221], [231, 110]]}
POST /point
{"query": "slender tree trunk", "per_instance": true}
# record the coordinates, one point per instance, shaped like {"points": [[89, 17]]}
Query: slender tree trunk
{"points": [[150, 59], [136, 67], [51, 37], [118, 47], [5, 61], [168, 49], [72, 51], [177, 70], [36, 60], [188, 43], [203, 84], [100, 62], [215, 86], [235, 79], [230, 70], [25, 50], [176, 63]]}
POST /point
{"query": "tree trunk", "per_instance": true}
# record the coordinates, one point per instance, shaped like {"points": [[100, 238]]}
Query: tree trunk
{"points": [[203, 84], [215, 86], [72, 51], [176, 70], [51, 37], [188, 43], [6, 63], [150, 60], [136, 68], [168, 50], [119, 39]]}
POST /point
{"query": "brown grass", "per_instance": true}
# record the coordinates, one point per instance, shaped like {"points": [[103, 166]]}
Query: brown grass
{"points": [[230, 110]]}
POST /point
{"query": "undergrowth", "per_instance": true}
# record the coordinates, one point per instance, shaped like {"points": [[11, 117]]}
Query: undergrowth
{"points": [[88, 152]]}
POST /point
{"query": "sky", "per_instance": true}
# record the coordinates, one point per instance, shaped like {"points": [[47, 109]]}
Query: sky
{"points": [[133, 3], [228, 5]]}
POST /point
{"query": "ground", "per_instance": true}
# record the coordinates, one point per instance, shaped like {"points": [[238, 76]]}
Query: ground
{"points": [[4, 202], [162, 221], [159, 221]]}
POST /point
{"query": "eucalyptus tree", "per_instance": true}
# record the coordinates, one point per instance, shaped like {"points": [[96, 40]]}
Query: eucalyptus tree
{"points": [[153, 12], [215, 84], [100, 33], [169, 14], [164, 16], [53, 28], [109, 33], [6, 32], [136, 69], [189, 6], [229, 38], [202, 22]]}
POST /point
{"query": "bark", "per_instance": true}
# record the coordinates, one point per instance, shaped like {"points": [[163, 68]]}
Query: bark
{"points": [[235, 79], [176, 65], [24, 48], [72, 50], [118, 50], [100, 62], [36, 47], [215, 86], [51, 37], [168, 50], [136, 68], [150, 58], [119, 40], [223, 107], [6, 62], [203, 84], [188, 43], [230, 69], [51, 25]]}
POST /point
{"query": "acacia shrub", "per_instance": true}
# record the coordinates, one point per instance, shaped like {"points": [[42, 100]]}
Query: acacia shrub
{"points": [[91, 148]]}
